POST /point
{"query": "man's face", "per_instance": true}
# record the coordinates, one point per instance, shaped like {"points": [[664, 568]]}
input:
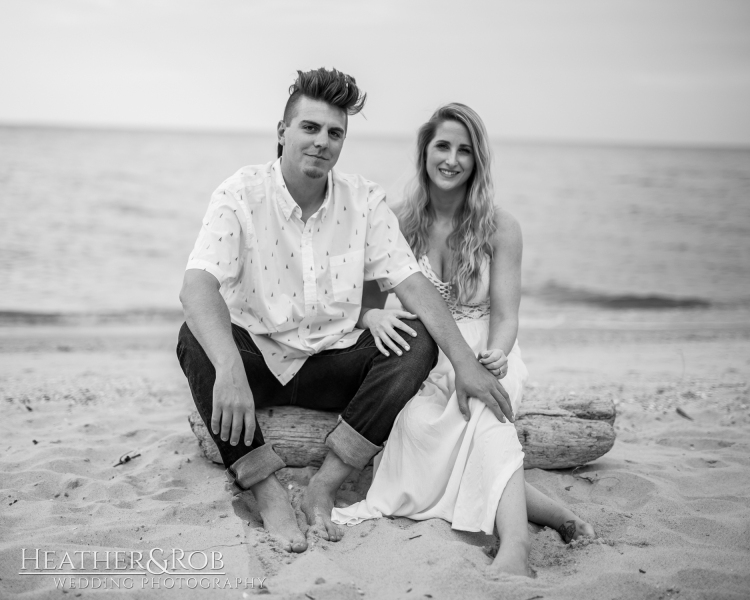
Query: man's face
{"points": [[313, 138]]}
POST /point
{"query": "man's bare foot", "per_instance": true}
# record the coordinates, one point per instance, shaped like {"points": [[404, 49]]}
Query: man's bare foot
{"points": [[513, 559], [278, 515], [574, 529], [317, 504]]}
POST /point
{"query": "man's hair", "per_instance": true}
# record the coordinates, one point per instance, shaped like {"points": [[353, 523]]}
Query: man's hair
{"points": [[332, 87]]}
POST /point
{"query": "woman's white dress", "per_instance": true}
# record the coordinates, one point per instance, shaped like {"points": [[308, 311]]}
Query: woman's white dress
{"points": [[436, 464]]}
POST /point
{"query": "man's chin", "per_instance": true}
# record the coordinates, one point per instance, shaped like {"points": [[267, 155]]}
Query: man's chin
{"points": [[314, 172]]}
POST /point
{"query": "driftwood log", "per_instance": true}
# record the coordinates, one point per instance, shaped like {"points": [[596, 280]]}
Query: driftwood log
{"points": [[566, 432]]}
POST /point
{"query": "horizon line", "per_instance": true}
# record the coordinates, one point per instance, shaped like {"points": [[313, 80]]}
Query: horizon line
{"points": [[511, 140]]}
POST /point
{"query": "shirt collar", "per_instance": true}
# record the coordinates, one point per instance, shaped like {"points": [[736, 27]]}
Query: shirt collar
{"points": [[288, 206]]}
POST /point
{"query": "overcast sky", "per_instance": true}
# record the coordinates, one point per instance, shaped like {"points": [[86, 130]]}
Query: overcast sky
{"points": [[655, 71]]}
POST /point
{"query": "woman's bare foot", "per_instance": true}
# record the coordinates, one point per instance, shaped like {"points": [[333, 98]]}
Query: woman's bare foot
{"points": [[574, 529], [513, 559], [317, 504], [278, 515]]}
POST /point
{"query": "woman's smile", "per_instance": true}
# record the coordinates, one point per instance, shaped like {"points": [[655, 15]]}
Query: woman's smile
{"points": [[450, 156]]}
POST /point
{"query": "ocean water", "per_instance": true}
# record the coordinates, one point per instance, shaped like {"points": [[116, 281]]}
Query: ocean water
{"points": [[97, 221]]}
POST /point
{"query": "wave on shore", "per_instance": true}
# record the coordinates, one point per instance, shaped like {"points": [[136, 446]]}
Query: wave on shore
{"points": [[551, 293], [554, 292], [144, 315]]}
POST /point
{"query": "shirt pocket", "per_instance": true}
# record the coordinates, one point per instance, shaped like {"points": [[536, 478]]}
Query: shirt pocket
{"points": [[347, 275]]}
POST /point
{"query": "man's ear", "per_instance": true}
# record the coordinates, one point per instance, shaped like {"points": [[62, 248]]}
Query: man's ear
{"points": [[280, 129]]}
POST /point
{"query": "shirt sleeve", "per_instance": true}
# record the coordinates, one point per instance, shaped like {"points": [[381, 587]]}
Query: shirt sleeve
{"points": [[218, 247], [388, 258]]}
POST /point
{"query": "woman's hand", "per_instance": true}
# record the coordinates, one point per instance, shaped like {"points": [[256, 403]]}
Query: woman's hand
{"points": [[495, 361], [383, 325]]}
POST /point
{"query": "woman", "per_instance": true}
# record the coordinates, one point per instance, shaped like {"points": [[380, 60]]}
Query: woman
{"points": [[443, 460]]}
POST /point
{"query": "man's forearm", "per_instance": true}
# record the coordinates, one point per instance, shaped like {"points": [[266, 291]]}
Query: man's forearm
{"points": [[420, 297], [207, 316]]}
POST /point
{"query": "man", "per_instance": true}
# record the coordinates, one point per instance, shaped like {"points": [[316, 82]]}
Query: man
{"points": [[272, 294]]}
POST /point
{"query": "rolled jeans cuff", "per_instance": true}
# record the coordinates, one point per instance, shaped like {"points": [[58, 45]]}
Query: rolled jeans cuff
{"points": [[253, 468], [350, 446]]}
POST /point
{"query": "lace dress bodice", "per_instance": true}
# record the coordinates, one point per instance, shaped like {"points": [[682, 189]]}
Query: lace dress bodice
{"points": [[479, 305]]}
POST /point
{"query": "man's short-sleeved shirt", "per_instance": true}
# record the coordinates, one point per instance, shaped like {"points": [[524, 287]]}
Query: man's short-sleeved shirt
{"points": [[297, 287]]}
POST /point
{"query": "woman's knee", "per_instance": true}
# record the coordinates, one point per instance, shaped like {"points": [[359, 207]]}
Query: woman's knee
{"points": [[417, 417]]}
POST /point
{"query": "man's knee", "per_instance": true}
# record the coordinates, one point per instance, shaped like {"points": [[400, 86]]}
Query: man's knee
{"points": [[185, 339], [184, 335], [189, 350], [423, 349]]}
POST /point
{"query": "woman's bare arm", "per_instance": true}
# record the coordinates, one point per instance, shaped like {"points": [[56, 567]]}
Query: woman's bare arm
{"points": [[505, 283]]}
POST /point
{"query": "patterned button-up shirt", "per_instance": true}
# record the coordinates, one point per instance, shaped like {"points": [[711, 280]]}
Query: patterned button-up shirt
{"points": [[296, 287]]}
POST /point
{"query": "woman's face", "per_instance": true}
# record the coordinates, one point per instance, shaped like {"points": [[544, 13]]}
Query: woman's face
{"points": [[450, 156]]}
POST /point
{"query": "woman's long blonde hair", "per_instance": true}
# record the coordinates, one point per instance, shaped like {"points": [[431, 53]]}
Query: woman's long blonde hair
{"points": [[474, 222]]}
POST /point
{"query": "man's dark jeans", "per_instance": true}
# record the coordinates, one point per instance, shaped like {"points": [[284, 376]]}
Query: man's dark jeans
{"points": [[366, 387]]}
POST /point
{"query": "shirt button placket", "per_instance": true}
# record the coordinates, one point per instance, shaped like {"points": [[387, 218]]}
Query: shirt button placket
{"points": [[309, 279]]}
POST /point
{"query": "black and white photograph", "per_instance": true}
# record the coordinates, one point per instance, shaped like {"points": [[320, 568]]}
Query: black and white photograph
{"points": [[375, 299]]}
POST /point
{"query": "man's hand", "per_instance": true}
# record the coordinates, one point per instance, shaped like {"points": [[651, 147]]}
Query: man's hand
{"points": [[495, 361], [233, 406], [474, 381]]}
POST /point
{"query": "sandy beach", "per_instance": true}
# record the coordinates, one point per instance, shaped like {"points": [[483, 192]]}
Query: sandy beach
{"points": [[669, 501]]}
